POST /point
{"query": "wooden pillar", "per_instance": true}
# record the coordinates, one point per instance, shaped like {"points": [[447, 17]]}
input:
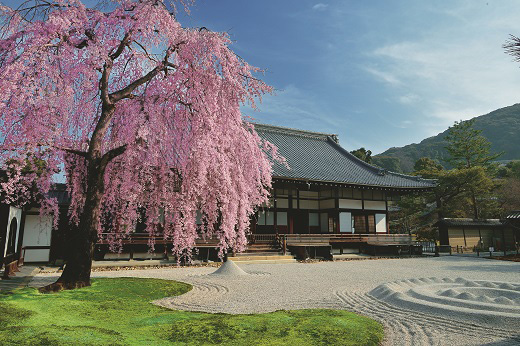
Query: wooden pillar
{"points": [[504, 241], [387, 216], [20, 237], [4, 215], [336, 211], [290, 212], [275, 220]]}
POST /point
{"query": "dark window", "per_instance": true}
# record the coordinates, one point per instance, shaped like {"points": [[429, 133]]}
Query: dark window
{"points": [[11, 246]]}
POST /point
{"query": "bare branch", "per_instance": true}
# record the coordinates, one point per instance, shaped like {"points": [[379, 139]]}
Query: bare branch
{"points": [[124, 42], [127, 91], [73, 151], [512, 47]]}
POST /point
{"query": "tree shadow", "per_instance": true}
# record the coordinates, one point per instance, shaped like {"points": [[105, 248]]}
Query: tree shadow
{"points": [[513, 340]]}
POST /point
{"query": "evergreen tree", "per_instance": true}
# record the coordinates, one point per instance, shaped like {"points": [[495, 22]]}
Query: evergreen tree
{"points": [[363, 154], [468, 150], [467, 147]]}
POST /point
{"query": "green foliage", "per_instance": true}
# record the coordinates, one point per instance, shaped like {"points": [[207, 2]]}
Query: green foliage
{"points": [[460, 192], [31, 164], [427, 168], [509, 194], [501, 127], [467, 147], [363, 154], [119, 312], [387, 162], [511, 170]]}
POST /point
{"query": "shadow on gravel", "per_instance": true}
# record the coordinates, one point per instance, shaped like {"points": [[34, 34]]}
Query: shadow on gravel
{"points": [[495, 268], [512, 341]]}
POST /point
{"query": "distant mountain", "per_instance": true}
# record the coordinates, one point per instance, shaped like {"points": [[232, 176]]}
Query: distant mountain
{"points": [[500, 127]]}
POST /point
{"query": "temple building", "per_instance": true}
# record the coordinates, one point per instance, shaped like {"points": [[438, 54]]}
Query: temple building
{"points": [[326, 189]]}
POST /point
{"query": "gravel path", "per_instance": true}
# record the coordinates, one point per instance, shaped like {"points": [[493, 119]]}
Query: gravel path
{"points": [[386, 290]]}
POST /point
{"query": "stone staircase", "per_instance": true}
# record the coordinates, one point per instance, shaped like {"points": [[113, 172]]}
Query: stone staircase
{"points": [[262, 252]]}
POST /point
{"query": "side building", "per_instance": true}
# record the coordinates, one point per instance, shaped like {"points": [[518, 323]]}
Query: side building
{"points": [[470, 235]]}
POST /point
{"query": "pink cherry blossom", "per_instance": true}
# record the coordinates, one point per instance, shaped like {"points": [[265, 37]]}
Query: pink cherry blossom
{"points": [[143, 114]]}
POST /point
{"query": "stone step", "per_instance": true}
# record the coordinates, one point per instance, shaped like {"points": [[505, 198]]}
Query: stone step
{"points": [[259, 253], [264, 261], [261, 258]]}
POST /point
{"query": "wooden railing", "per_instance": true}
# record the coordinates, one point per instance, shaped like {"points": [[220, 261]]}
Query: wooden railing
{"points": [[262, 238], [375, 239], [282, 240], [144, 239]]}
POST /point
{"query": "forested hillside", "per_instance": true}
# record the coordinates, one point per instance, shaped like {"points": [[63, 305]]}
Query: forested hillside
{"points": [[500, 127]]}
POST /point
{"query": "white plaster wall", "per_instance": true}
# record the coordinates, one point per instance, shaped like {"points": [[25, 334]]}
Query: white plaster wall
{"points": [[345, 222], [375, 205], [309, 204], [350, 204], [327, 204], [13, 212], [37, 232], [380, 223]]}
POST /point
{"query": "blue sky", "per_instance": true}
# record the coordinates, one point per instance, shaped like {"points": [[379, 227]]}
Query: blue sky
{"points": [[377, 73]]}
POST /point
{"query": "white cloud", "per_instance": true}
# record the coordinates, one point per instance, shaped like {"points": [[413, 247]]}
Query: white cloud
{"points": [[320, 7], [293, 107], [459, 71], [385, 76], [408, 99]]}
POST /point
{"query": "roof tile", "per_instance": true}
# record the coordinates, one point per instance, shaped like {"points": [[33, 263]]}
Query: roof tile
{"points": [[317, 156]]}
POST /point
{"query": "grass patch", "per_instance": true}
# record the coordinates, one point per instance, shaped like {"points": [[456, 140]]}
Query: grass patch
{"points": [[118, 312]]}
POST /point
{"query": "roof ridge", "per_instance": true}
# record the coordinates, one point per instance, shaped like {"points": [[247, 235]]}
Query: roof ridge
{"points": [[293, 131], [378, 170], [357, 159]]}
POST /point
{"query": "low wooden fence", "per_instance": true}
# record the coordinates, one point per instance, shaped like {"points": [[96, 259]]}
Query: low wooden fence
{"points": [[328, 239]]}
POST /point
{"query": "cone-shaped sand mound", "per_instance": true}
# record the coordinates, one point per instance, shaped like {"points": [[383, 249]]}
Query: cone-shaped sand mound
{"points": [[229, 268]]}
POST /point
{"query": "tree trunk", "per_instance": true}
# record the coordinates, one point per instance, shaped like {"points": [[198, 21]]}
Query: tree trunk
{"points": [[440, 205], [475, 207], [82, 239]]}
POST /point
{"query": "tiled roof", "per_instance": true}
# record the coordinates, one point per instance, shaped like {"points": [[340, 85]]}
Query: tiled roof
{"points": [[464, 222], [318, 156]]}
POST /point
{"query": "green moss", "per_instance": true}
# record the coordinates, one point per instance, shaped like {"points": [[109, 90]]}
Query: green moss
{"points": [[118, 312]]}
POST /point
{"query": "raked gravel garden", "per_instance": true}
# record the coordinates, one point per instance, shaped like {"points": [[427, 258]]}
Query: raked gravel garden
{"points": [[450, 300]]}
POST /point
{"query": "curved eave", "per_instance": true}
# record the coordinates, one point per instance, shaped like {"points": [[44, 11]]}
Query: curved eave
{"points": [[347, 184]]}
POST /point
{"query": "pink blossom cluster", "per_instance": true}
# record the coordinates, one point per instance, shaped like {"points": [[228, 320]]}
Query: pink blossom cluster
{"points": [[187, 148]]}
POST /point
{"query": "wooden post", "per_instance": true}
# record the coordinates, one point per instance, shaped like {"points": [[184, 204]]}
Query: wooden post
{"points": [[504, 241]]}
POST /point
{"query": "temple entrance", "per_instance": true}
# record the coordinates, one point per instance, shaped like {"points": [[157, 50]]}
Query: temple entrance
{"points": [[300, 221]]}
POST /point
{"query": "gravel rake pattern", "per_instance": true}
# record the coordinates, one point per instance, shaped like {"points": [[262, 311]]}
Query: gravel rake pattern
{"points": [[348, 286], [203, 297]]}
